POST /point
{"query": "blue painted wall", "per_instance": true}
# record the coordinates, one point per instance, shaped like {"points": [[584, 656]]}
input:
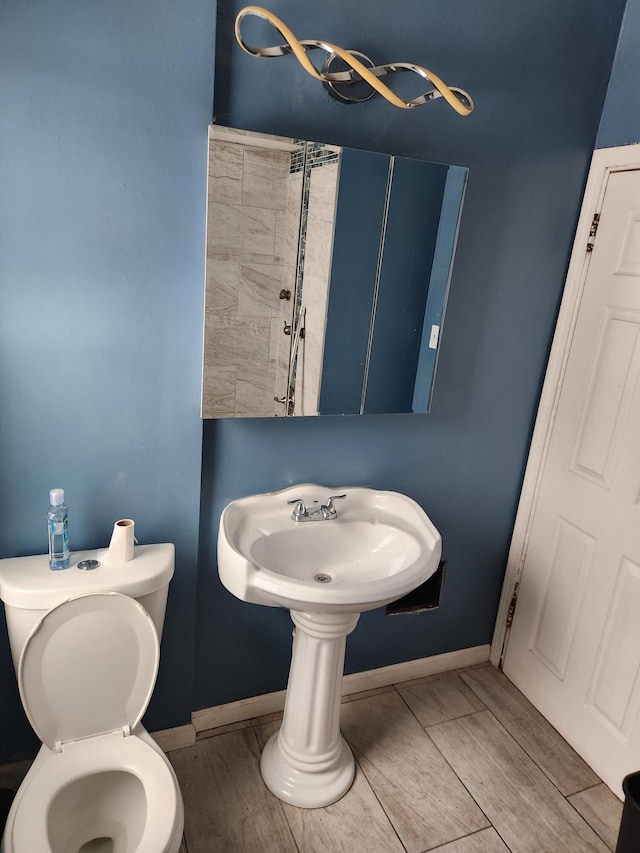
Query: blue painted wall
{"points": [[538, 73], [103, 131], [620, 123]]}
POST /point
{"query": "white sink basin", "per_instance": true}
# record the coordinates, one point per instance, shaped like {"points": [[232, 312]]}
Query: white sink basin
{"points": [[380, 547]]}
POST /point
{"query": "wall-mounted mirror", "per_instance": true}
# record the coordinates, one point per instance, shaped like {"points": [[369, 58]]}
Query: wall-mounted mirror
{"points": [[327, 277]]}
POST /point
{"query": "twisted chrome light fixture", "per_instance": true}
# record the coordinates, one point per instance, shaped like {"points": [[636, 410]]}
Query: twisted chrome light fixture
{"points": [[359, 72]]}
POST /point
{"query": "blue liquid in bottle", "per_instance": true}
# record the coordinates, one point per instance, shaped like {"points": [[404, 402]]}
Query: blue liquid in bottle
{"points": [[59, 556]]}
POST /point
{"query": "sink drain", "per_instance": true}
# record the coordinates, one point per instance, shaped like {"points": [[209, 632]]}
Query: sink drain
{"points": [[321, 577]]}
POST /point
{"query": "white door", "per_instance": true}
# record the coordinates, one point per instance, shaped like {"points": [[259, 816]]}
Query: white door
{"points": [[574, 645]]}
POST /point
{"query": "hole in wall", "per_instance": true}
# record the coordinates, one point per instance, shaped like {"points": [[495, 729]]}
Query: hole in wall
{"points": [[424, 597]]}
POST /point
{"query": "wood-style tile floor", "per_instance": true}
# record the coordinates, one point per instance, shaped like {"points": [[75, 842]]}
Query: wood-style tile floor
{"points": [[454, 763]]}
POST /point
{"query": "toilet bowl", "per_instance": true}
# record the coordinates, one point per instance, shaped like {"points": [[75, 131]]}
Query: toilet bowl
{"points": [[110, 794], [99, 783]]}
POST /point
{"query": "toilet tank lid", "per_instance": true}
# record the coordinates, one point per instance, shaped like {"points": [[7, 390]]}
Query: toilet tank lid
{"points": [[88, 668], [27, 582]]}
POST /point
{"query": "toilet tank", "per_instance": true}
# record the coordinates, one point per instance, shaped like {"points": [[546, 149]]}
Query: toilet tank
{"points": [[29, 588]]}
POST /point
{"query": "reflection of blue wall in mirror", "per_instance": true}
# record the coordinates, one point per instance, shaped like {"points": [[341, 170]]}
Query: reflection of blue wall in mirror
{"points": [[359, 215], [412, 226], [397, 304], [439, 284]]}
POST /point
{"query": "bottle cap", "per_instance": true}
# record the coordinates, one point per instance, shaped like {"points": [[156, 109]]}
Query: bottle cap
{"points": [[56, 497]]}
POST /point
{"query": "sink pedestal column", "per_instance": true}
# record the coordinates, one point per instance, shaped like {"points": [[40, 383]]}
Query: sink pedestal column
{"points": [[308, 763]]}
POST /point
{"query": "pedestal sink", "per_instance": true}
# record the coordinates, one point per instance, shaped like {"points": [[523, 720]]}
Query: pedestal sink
{"points": [[326, 566]]}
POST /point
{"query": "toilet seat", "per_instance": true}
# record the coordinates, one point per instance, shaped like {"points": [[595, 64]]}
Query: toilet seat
{"points": [[29, 831], [88, 667], [86, 675]]}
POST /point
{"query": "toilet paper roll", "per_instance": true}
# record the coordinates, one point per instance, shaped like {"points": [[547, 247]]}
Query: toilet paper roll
{"points": [[122, 539]]}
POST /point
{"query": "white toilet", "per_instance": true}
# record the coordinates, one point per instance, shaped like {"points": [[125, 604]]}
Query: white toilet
{"points": [[86, 646]]}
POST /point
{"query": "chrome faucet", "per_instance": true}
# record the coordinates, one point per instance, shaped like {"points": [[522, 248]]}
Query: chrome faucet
{"points": [[325, 512]]}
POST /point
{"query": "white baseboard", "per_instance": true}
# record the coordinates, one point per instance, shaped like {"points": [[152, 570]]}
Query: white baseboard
{"points": [[235, 712], [407, 671], [270, 703], [176, 738]]}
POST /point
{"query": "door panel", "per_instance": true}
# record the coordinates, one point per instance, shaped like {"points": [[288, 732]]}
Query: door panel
{"points": [[574, 646]]}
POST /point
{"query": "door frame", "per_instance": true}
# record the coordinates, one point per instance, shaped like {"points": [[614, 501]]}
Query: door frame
{"points": [[604, 161]]}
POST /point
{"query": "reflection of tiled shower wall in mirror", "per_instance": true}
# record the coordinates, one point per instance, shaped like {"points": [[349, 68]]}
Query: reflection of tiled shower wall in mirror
{"points": [[315, 282], [290, 263], [251, 241]]}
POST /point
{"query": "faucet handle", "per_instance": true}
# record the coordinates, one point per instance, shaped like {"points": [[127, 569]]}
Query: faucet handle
{"points": [[333, 498], [300, 510], [328, 510]]}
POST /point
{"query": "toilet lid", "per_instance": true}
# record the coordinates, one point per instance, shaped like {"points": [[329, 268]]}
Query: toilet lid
{"points": [[88, 667]]}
